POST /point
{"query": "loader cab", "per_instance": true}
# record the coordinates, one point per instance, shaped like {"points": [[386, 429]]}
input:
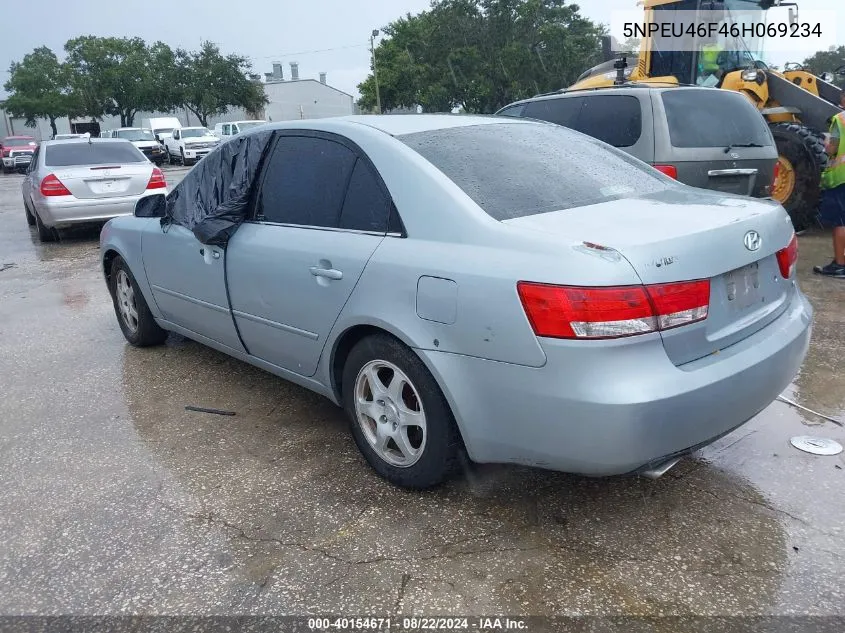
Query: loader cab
{"points": [[705, 59]]}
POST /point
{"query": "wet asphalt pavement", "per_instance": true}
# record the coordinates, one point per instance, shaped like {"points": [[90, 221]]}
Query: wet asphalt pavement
{"points": [[115, 499]]}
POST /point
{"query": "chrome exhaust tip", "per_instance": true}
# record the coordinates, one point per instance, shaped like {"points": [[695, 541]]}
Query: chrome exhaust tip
{"points": [[660, 469]]}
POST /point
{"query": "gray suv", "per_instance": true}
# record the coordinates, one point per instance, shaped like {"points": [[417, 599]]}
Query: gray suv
{"points": [[703, 137]]}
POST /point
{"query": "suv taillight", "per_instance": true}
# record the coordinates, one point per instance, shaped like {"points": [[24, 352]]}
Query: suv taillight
{"points": [[669, 170], [775, 174], [788, 257], [52, 186], [612, 312], [157, 180]]}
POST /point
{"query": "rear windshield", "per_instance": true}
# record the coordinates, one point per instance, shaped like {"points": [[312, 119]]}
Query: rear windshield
{"points": [[85, 153], [514, 170], [713, 118], [136, 135]]}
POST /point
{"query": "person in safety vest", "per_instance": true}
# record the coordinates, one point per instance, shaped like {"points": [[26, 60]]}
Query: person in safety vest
{"points": [[708, 64], [832, 206]]}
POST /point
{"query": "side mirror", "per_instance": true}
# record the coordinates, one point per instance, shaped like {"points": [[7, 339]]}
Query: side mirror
{"points": [[153, 206]]}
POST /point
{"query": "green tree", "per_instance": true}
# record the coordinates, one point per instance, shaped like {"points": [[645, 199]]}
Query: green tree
{"points": [[827, 62], [479, 55], [40, 87], [209, 83], [121, 76]]}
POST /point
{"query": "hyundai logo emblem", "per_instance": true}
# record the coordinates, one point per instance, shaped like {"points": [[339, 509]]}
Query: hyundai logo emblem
{"points": [[752, 240]]}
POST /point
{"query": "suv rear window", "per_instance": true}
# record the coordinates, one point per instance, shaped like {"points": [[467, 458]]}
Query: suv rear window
{"points": [[85, 153], [615, 119], [713, 118], [516, 169]]}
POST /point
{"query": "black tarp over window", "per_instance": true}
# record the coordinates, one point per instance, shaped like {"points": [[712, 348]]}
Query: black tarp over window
{"points": [[213, 199]]}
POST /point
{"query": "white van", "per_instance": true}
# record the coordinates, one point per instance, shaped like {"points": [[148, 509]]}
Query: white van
{"points": [[162, 127], [228, 130]]}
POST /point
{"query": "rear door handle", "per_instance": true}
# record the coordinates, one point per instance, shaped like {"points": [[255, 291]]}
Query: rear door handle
{"points": [[328, 273]]}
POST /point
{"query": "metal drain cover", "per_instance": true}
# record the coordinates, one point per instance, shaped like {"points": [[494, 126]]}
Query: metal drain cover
{"points": [[816, 445]]}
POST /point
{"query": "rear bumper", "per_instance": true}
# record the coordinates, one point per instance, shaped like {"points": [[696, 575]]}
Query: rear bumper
{"points": [[67, 211], [608, 408]]}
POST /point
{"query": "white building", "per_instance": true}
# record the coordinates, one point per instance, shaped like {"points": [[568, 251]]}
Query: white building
{"points": [[292, 98]]}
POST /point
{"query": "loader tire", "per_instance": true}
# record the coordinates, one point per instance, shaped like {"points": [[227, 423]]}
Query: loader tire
{"points": [[801, 159]]}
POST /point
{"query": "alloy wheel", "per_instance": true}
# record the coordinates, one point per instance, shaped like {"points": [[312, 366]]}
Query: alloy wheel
{"points": [[389, 410], [125, 295]]}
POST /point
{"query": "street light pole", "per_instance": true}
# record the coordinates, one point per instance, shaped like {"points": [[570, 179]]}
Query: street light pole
{"points": [[375, 70]]}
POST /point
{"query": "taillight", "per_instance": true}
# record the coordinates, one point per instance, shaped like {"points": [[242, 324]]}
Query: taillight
{"points": [[775, 174], [787, 258], [157, 180], [52, 186], [669, 170], [612, 312]]}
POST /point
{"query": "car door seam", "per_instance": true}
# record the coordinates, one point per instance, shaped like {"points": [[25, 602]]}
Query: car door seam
{"points": [[229, 297]]}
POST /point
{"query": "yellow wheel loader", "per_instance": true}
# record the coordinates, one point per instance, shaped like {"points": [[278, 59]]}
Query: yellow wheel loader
{"points": [[797, 104]]}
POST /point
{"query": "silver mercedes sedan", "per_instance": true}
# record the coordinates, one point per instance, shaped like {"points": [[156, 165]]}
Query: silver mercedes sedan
{"points": [[507, 290], [87, 180]]}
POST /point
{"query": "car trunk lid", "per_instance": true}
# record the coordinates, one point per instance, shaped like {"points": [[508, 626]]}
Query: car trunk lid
{"points": [[683, 234], [105, 181]]}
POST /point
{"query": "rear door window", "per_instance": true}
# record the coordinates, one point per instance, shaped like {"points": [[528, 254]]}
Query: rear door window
{"points": [[366, 207], [615, 119], [563, 111], [84, 153], [305, 182], [514, 169], [713, 118]]}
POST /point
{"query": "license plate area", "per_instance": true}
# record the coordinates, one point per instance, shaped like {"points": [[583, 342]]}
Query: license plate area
{"points": [[742, 287], [731, 184]]}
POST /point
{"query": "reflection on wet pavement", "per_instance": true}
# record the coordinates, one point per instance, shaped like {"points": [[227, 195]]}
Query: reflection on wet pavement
{"points": [[117, 499]]}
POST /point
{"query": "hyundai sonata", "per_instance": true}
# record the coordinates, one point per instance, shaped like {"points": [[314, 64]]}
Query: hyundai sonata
{"points": [[509, 289]]}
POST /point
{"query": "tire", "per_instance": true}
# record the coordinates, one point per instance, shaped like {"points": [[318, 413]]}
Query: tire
{"points": [[182, 161], [170, 158], [45, 234], [434, 450], [801, 150], [142, 331], [30, 219]]}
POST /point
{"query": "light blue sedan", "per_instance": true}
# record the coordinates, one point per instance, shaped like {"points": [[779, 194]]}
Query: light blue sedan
{"points": [[504, 289]]}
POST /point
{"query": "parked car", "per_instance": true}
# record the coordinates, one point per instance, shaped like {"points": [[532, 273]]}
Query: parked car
{"points": [[65, 137], [510, 288], [16, 152], [704, 137], [85, 181], [144, 140], [187, 145], [228, 130], [162, 127]]}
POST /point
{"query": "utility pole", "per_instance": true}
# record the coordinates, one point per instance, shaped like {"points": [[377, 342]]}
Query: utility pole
{"points": [[375, 70]]}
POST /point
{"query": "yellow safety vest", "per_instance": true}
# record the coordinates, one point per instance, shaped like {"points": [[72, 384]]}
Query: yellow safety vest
{"points": [[834, 175], [709, 57]]}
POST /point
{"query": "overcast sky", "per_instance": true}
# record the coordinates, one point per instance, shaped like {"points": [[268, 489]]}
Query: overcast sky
{"points": [[264, 30]]}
